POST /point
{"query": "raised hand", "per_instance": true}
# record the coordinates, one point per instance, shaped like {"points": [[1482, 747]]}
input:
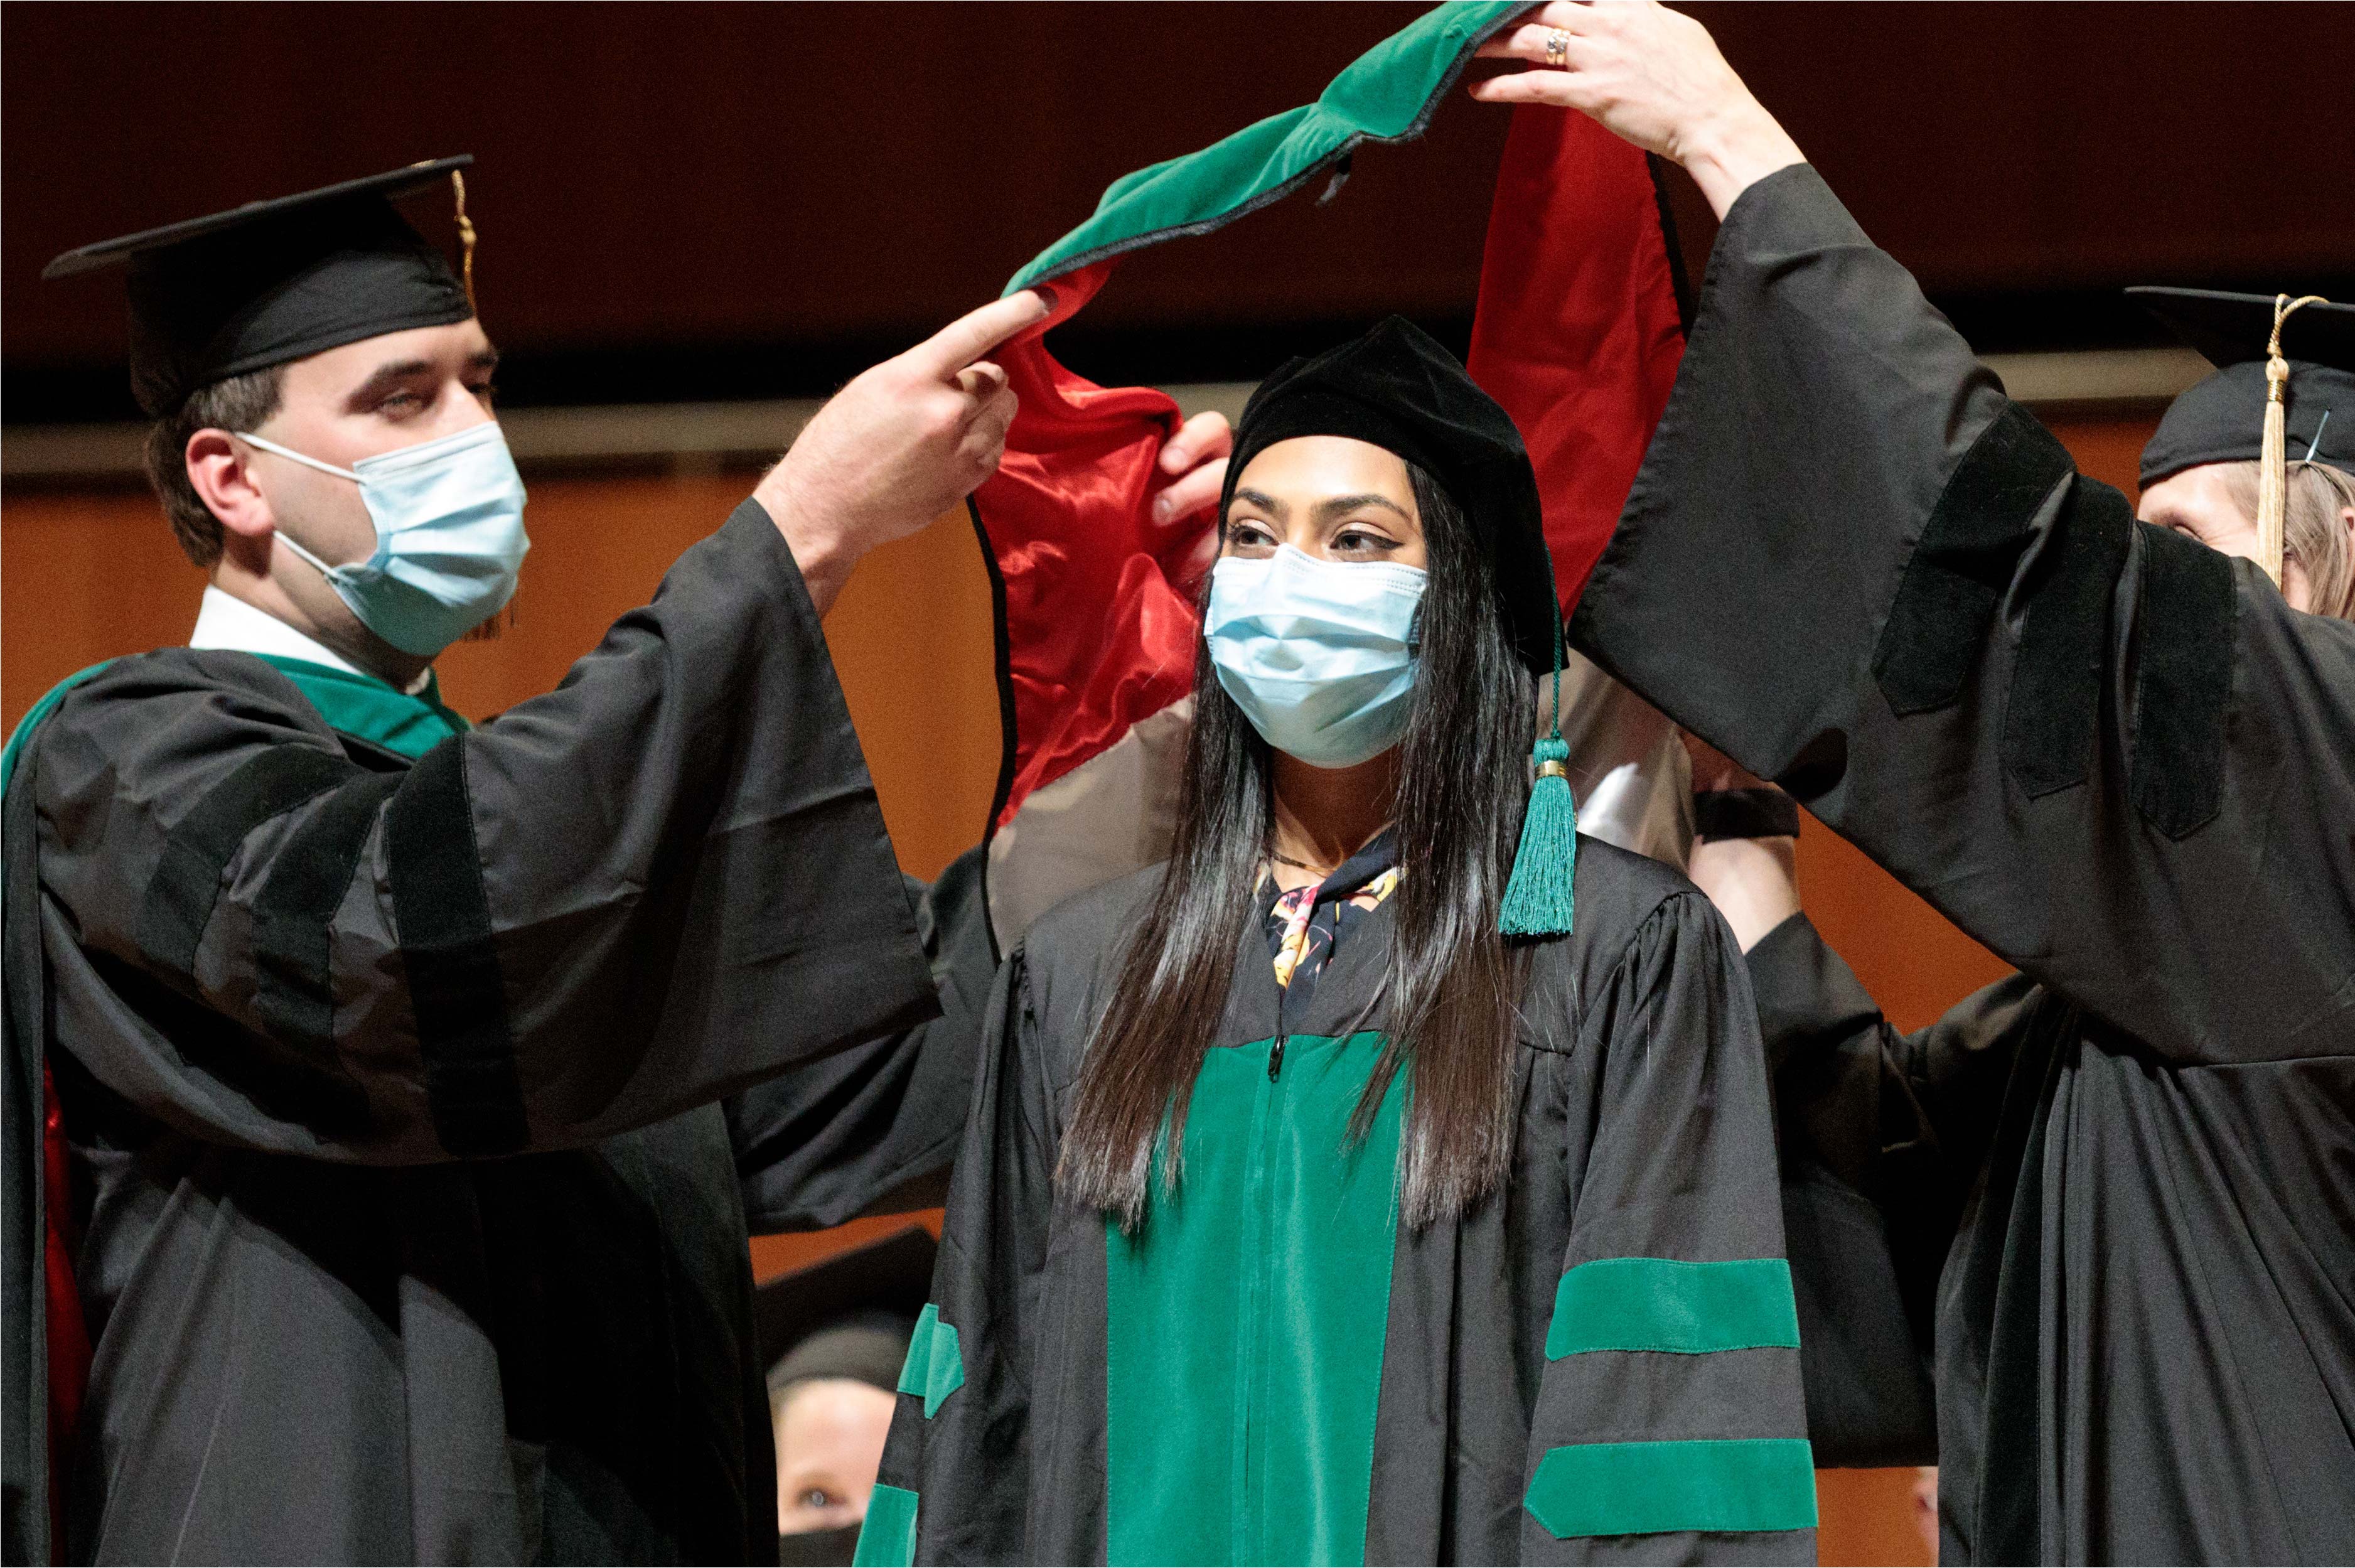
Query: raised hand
{"points": [[1651, 76], [1197, 455], [903, 443]]}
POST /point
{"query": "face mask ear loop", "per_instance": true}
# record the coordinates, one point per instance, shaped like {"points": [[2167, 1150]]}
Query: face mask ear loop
{"points": [[291, 455], [304, 556]]}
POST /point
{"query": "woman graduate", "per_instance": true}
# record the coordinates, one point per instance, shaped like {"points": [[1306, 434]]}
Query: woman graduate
{"points": [[1331, 1195]]}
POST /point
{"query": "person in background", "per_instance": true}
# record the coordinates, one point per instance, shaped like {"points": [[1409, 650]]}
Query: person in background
{"points": [[836, 1335], [2110, 1193], [403, 1068]]}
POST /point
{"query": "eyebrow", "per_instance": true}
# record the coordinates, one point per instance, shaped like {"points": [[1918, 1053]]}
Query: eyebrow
{"points": [[1325, 510], [1341, 506], [387, 376]]}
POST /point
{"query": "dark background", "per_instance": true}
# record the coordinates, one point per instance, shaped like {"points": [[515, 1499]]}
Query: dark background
{"points": [[689, 201]]}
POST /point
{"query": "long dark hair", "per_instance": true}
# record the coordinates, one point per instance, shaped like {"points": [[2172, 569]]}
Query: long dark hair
{"points": [[1453, 982]]}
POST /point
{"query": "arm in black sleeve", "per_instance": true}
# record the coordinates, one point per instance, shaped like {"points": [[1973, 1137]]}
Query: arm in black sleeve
{"points": [[873, 1129], [1852, 563], [661, 882], [955, 1483], [1884, 1136], [1670, 1424]]}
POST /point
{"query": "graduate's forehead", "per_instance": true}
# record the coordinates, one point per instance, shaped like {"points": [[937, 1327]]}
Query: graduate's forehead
{"points": [[460, 346], [2199, 493], [1310, 468], [353, 376]]}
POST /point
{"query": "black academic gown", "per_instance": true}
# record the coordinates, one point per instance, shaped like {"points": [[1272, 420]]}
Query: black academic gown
{"points": [[2121, 761], [418, 1112], [1598, 1363]]}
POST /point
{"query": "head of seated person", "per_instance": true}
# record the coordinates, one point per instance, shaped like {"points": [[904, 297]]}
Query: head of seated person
{"points": [[831, 1405]]}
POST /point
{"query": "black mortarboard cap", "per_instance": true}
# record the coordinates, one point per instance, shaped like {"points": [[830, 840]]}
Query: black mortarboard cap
{"points": [[2222, 419], [277, 281], [850, 1315], [1397, 389]]}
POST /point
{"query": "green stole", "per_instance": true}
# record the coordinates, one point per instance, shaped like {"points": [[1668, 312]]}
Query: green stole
{"points": [[1245, 1319]]}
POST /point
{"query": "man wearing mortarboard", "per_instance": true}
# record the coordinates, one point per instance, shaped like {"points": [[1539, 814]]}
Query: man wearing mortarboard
{"points": [[2109, 1198], [401, 1069]]}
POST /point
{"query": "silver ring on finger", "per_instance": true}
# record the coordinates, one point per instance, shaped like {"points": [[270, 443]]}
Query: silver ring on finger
{"points": [[1558, 47]]}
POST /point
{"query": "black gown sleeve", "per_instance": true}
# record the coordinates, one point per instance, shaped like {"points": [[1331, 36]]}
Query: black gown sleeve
{"points": [[1884, 1136], [662, 882], [872, 1130], [2112, 755], [1670, 1425], [955, 1484]]}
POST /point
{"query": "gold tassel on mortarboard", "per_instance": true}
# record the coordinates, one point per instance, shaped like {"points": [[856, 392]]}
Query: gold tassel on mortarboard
{"points": [[466, 238], [2273, 471]]}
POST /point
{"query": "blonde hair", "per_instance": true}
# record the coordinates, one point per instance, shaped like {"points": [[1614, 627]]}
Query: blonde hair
{"points": [[2314, 533]]}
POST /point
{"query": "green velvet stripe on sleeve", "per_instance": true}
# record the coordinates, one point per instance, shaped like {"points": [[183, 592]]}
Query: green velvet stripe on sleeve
{"points": [[1646, 1488], [1660, 1303], [888, 1539], [935, 1364]]}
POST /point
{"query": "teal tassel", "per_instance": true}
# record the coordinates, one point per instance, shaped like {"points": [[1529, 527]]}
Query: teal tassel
{"points": [[1538, 901]]}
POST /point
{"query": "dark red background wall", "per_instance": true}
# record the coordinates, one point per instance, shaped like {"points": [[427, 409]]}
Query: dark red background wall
{"points": [[730, 180]]}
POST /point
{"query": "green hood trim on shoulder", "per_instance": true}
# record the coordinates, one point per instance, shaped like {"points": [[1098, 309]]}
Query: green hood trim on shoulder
{"points": [[372, 709], [40, 709]]}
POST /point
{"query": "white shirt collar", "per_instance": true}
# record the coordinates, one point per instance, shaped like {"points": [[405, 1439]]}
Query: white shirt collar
{"points": [[224, 621]]}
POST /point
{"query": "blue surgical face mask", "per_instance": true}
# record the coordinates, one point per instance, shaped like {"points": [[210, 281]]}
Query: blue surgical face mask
{"points": [[1319, 654], [449, 537]]}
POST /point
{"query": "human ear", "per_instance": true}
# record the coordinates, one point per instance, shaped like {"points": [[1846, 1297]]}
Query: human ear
{"points": [[219, 472]]}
